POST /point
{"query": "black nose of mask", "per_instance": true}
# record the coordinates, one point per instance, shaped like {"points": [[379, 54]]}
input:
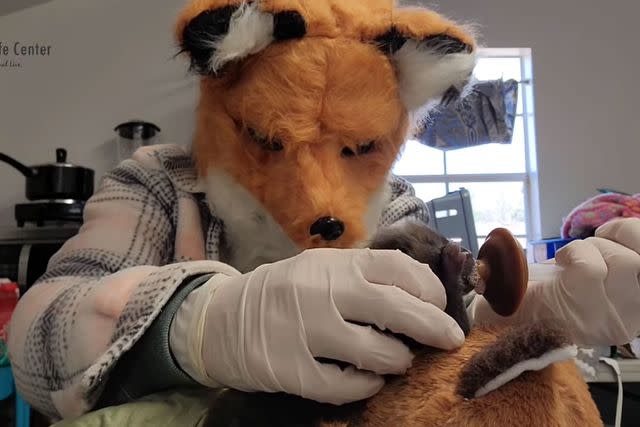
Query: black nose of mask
{"points": [[328, 228]]}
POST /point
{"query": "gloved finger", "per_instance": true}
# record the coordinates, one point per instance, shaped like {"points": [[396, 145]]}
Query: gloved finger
{"points": [[330, 384], [624, 231], [617, 257], [582, 262], [395, 268], [623, 277], [363, 347], [389, 307], [540, 272]]}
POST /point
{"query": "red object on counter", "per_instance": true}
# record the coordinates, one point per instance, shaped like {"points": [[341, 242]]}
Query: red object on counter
{"points": [[9, 294]]}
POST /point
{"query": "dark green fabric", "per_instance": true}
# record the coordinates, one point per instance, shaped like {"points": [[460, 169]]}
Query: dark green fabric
{"points": [[149, 367]]}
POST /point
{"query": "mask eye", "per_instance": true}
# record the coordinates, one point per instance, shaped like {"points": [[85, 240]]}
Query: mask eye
{"points": [[361, 150], [348, 152], [367, 148], [264, 141]]}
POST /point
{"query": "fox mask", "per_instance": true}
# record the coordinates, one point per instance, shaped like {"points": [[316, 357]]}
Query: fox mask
{"points": [[304, 107]]}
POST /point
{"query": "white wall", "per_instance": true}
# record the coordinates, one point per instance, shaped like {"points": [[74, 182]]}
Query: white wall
{"points": [[110, 61], [586, 67], [10, 6]]}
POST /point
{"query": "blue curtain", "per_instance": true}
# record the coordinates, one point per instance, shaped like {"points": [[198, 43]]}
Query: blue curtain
{"points": [[485, 114]]}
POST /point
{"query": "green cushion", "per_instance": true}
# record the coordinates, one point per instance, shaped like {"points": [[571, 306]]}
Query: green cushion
{"points": [[185, 408]]}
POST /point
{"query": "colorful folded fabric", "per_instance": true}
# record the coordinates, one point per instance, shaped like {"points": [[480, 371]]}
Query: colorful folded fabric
{"points": [[584, 219]]}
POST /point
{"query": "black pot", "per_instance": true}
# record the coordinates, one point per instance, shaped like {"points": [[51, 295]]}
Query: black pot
{"points": [[55, 181]]}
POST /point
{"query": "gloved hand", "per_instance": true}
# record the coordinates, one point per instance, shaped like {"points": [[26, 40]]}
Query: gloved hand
{"points": [[262, 331], [592, 287]]}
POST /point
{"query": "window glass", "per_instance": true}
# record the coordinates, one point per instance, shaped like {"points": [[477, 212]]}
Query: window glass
{"points": [[521, 240], [498, 68], [496, 204], [520, 107], [429, 191], [418, 159]]}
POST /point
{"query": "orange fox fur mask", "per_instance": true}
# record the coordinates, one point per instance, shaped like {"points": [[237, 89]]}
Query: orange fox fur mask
{"points": [[304, 107]]}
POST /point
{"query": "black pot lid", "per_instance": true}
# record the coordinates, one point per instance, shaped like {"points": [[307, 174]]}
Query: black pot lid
{"points": [[61, 161], [129, 129]]}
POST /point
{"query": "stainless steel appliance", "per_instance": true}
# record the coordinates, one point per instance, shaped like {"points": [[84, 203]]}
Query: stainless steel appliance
{"points": [[133, 135], [25, 252]]}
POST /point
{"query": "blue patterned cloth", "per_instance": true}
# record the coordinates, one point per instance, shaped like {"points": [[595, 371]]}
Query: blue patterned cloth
{"points": [[486, 114]]}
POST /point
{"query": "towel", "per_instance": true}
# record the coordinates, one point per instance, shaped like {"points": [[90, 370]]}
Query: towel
{"points": [[584, 219]]}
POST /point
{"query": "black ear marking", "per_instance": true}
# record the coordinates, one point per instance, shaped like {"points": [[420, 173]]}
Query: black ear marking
{"points": [[201, 32], [288, 25], [444, 44], [390, 42]]}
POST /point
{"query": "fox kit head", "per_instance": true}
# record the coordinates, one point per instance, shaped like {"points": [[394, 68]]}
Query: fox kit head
{"points": [[304, 107]]}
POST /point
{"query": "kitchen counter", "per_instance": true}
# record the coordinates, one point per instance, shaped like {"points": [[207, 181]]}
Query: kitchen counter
{"points": [[32, 234]]}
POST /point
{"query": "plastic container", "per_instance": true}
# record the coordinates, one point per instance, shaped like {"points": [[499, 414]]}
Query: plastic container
{"points": [[544, 250], [6, 383], [133, 135]]}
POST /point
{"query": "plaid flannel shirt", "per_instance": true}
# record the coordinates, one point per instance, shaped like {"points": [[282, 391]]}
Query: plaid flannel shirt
{"points": [[146, 232]]}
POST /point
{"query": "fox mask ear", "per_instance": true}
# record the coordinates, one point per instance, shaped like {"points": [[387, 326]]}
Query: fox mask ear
{"points": [[430, 54], [428, 67], [217, 37]]}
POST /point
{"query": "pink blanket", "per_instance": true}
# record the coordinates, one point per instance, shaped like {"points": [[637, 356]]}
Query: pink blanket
{"points": [[583, 220]]}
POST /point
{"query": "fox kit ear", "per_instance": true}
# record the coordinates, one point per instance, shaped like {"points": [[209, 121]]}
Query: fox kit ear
{"points": [[219, 36], [432, 56]]}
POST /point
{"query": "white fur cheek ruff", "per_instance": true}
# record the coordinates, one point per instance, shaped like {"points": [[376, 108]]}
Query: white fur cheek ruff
{"points": [[425, 75], [250, 31], [378, 201], [549, 358], [254, 236]]}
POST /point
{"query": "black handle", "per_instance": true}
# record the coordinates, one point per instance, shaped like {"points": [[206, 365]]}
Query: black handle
{"points": [[24, 170], [61, 155]]}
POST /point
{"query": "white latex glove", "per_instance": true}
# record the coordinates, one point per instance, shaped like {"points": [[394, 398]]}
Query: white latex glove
{"points": [[592, 287], [262, 331]]}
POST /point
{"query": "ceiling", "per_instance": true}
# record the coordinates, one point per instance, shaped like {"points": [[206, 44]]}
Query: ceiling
{"points": [[10, 6]]}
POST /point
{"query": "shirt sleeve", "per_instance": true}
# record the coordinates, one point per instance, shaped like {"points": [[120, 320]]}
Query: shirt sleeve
{"points": [[101, 292], [403, 203], [150, 366]]}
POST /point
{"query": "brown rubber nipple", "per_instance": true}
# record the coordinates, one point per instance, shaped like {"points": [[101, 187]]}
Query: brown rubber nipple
{"points": [[503, 271]]}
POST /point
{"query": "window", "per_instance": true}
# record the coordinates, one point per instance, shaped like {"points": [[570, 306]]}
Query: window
{"points": [[501, 179]]}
